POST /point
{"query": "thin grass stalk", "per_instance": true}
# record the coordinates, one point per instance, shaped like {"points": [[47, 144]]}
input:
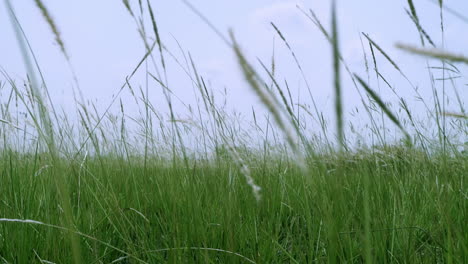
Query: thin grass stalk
{"points": [[147, 117], [315, 20], [382, 138], [252, 79], [382, 105], [53, 26], [124, 85], [294, 119], [175, 127], [444, 120], [128, 7], [158, 40], [451, 11], [299, 66], [393, 63], [159, 43], [48, 136], [422, 33], [434, 53], [207, 22], [337, 80]]}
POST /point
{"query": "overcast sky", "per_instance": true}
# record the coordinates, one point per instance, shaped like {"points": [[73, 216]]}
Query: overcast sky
{"points": [[104, 45]]}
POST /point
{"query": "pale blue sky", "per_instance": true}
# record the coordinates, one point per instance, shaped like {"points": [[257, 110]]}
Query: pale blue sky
{"points": [[104, 45]]}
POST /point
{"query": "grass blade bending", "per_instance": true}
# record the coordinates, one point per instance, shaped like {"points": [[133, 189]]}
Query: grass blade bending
{"points": [[337, 81], [434, 53], [382, 52], [382, 105], [53, 26], [252, 79], [158, 39]]}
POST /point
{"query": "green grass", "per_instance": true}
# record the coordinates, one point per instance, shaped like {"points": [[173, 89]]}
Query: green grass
{"points": [[417, 206], [209, 188]]}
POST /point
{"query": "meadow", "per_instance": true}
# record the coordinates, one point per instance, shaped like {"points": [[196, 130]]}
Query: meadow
{"points": [[216, 189]]}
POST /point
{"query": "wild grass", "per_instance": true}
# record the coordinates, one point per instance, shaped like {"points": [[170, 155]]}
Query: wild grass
{"points": [[208, 187], [417, 208]]}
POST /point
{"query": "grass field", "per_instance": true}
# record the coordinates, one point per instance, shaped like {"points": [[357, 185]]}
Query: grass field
{"points": [[95, 190], [390, 207]]}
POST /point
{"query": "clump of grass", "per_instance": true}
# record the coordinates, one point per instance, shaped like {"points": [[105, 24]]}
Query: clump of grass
{"points": [[189, 192], [213, 208]]}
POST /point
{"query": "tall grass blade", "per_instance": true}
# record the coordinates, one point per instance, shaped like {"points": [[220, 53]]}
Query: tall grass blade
{"points": [[456, 115], [50, 21], [49, 135], [413, 10], [337, 80], [382, 52], [158, 38], [316, 21], [422, 32], [451, 11], [434, 53], [128, 7], [114, 99], [252, 79], [309, 89], [382, 105], [281, 93], [211, 25]]}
